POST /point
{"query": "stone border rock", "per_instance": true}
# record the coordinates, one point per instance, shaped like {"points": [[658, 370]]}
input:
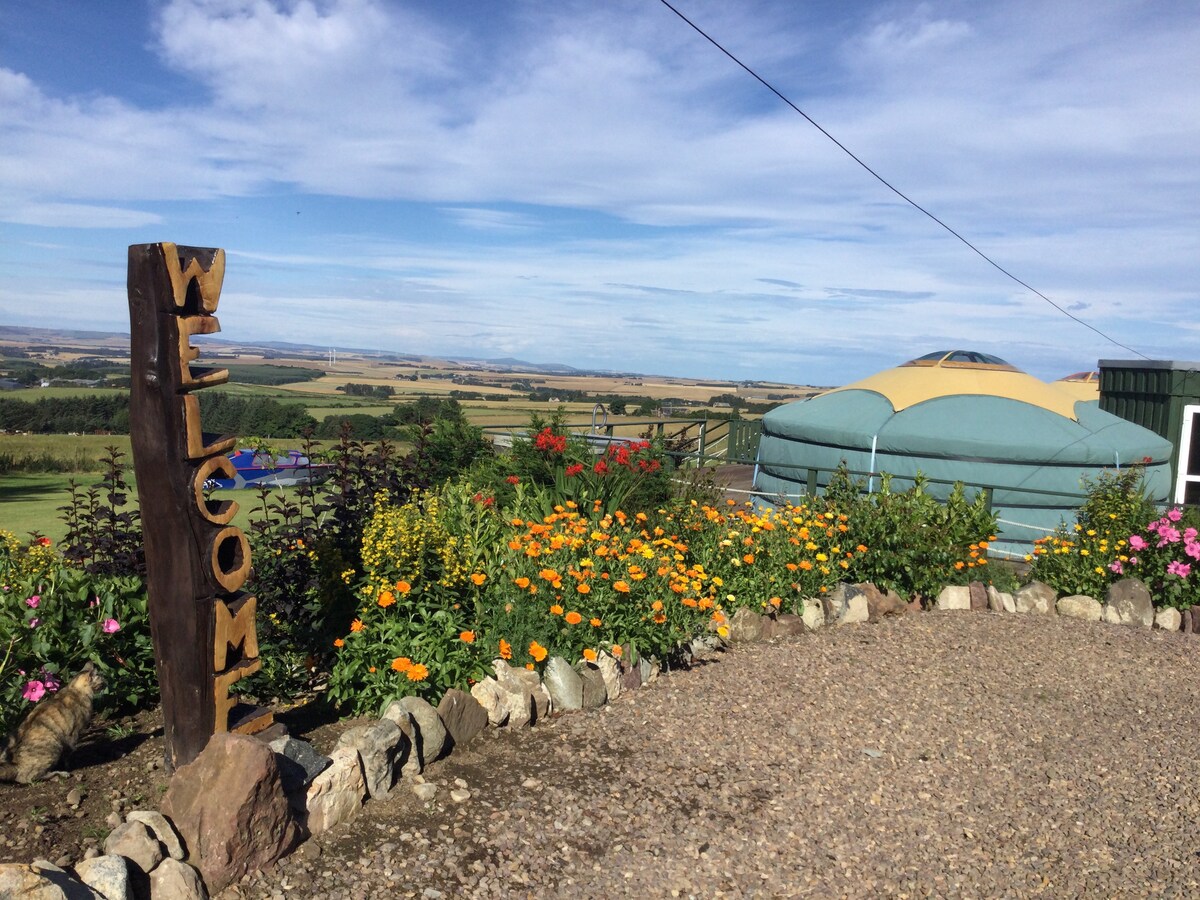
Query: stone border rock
{"points": [[269, 797]]}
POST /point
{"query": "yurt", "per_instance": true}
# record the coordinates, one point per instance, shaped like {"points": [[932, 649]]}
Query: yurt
{"points": [[960, 415], [1081, 385]]}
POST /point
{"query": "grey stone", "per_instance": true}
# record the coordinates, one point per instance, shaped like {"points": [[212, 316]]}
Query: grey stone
{"points": [[746, 626], [462, 715], [787, 625], [954, 597], [1035, 597], [1168, 619], [1000, 601], [430, 732], [425, 791], [856, 611], [460, 795], [107, 875], [515, 678], [1127, 602], [41, 881], [137, 843], [813, 614], [542, 704], [1079, 606], [836, 602], [337, 794], [490, 696], [564, 684], [594, 693], [647, 670], [517, 702], [611, 673], [377, 745], [163, 830], [299, 763], [174, 880]]}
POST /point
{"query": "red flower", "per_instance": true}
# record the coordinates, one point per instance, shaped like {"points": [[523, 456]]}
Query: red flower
{"points": [[600, 468], [513, 479], [549, 442], [574, 470]]}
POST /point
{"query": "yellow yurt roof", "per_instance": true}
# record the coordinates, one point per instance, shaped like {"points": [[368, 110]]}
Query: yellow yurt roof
{"points": [[1081, 385], [954, 372]]}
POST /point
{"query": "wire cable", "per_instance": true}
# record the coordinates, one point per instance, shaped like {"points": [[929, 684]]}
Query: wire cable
{"points": [[893, 188]]}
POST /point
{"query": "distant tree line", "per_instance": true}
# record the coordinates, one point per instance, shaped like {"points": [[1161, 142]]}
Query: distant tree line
{"points": [[378, 391], [270, 375], [31, 373], [106, 413]]}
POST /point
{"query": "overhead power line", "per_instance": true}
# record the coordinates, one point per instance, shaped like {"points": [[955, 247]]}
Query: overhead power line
{"points": [[887, 184]]}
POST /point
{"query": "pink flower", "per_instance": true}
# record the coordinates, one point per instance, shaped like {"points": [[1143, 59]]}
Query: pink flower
{"points": [[1137, 542], [1174, 514], [1190, 535], [1115, 566], [95, 602], [1175, 567], [110, 625], [1192, 549], [1133, 560], [1167, 535], [51, 681], [34, 622], [34, 691], [32, 602]]}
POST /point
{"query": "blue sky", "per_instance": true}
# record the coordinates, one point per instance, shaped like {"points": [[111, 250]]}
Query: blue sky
{"points": [[595, 184]]}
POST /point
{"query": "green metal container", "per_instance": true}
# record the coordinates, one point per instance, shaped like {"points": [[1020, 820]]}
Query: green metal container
{"points": [[1151, 393]]}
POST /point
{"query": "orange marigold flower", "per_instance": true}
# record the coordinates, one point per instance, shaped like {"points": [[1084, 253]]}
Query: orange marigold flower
{"points": [[537, 651], [806, 565], [521, 582], [556, 610], [549, 575], [402, 664], [689, 602], [792, 567], [478, 578], [371, 669], [659, 618], [656, 606], [617, 651], [403, 586], [776, 602], [357, 625], [573, 618], [583, 587], [529, 666], [386, 599], [706, 602], [589, 654], [748, 559], [417, 672], [467, 637], [505, 649], [621, 586], [594, 622], [338, 642]]}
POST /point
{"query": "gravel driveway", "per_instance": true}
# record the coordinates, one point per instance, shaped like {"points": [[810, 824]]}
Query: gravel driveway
{"points": [[938, 754]]}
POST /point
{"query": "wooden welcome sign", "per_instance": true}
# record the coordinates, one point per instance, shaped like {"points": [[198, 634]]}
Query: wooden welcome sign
{"points": [[201, 621]]}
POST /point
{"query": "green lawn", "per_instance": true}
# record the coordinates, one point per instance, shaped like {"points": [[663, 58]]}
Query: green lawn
{"points": [[29, 503]]}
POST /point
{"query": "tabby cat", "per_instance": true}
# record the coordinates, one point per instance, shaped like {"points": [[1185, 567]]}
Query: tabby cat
{"points": [[50, 732]]}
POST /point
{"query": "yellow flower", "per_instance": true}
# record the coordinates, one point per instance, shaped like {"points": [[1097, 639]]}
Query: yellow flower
{"points": [[417, 672], [723, 631]]}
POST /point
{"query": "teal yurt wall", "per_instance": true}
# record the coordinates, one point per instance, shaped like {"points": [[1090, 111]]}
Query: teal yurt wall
{"points": [[961, 416]]}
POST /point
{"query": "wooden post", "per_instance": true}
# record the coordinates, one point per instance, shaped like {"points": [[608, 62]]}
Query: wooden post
{"points": [[201, 622]]}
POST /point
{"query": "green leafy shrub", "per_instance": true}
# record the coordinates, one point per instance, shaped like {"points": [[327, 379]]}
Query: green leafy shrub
{"points": [[917, 543]]}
